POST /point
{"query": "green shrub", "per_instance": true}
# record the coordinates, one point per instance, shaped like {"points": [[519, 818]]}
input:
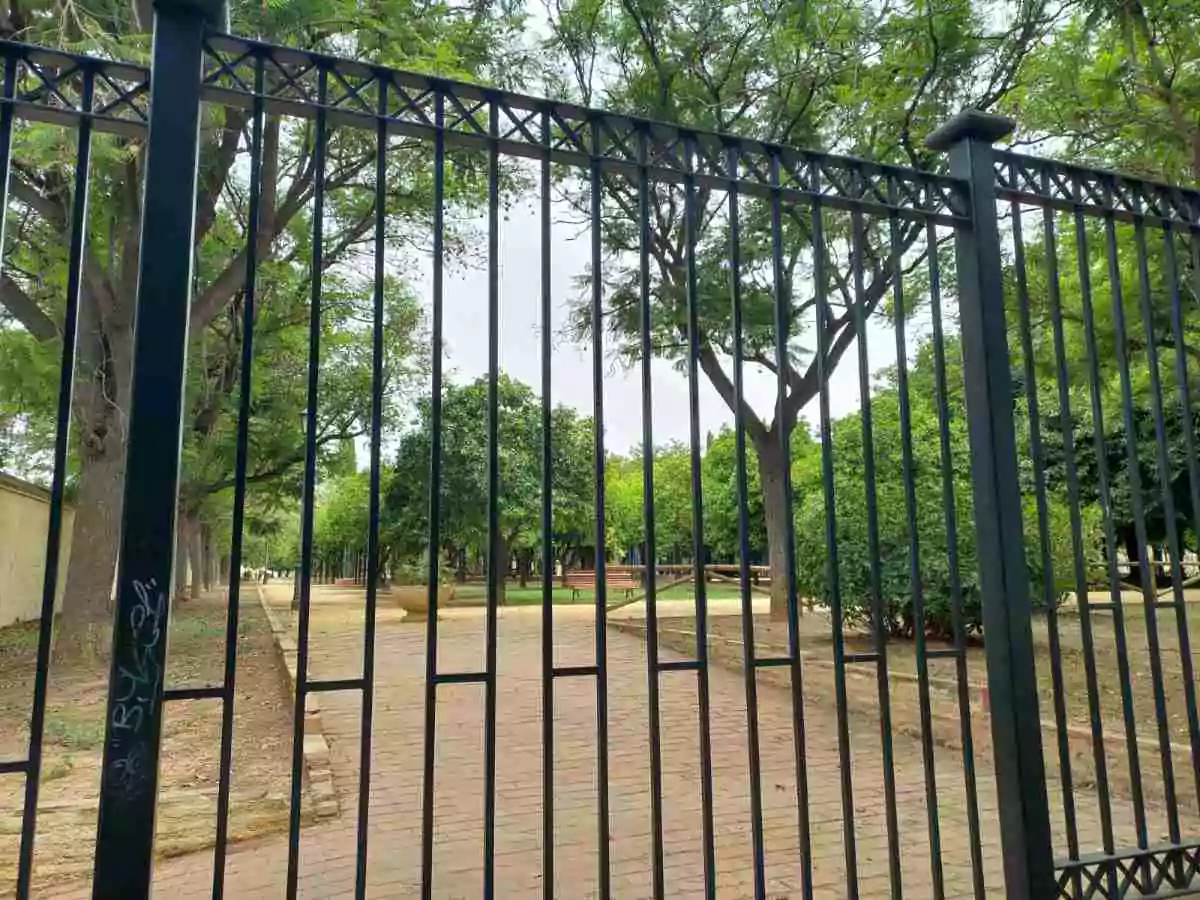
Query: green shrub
{"points": [[933, 541]]}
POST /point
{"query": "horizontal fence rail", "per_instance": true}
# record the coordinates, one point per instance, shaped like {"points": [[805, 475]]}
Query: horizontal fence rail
{"points": [[1046, 182], [577, 135], [1034, 415]]}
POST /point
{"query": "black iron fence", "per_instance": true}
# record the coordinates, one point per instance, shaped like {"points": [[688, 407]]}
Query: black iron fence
{"points": [[1020, 348]]}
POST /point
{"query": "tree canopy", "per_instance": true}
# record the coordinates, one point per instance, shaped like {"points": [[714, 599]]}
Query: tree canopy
{"points": [[463, 524], [856, 78], [1110, 84], [482, 42]]}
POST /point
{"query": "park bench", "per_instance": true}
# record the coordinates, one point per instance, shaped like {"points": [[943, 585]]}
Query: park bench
{"points": [[615, 579]]}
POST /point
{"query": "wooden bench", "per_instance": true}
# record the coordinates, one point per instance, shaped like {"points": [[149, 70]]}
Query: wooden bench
{"points": [[615, 579]]}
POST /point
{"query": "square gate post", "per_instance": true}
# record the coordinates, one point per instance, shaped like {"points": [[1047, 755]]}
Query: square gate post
{"points": [[129, 777], [1004, 579]]}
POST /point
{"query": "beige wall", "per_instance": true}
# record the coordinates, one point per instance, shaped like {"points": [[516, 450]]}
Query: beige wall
{"points": [[24, 517]]}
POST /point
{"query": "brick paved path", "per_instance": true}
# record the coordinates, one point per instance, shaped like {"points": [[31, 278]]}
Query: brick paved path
{"points": [[327, 850]]}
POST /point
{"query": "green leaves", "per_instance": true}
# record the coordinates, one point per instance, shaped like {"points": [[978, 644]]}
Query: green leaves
{"points": [[1119, 86], [939, 578], [464, 486]]}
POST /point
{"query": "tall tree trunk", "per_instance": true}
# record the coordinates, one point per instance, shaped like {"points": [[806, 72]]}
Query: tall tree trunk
{"points": [[206, 550], [772, 471], [214, 559], [503, 560], [383, 563], [86, 616], [101, 405], [196, 559], [182, 530], [523, 564]]}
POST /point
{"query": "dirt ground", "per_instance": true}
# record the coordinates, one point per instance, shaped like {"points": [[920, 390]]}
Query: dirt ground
{"points": [[189, 770], [816, 646], [816, 640]]}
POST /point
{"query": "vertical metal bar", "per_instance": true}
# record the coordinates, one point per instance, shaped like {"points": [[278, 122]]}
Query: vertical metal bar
{"points": [[691, 236], [1085, 282], [1004, 580], [1185, 403], [493, 503], [956, 599], [1149, 594], [784, 425], [1110, 540], [129, 774], [1067, 425], [602, 824], [547, 535], [749, 671], [647, 349], [825, 327], [66, 387], [7, 115], [229, 684], [858, 239], [1049, 598], [435, 495], [908, 469], [369, 568], [310, 482]]}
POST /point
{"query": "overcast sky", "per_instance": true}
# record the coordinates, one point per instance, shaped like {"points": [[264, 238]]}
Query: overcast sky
{"points": [[466, 329]]}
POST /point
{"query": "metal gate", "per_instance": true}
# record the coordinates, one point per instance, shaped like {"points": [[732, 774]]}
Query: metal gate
{"points": [[894, 221]]}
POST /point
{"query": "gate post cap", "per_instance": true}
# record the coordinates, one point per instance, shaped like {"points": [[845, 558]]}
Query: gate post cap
{"points": [[971, 125], [213, 12]]}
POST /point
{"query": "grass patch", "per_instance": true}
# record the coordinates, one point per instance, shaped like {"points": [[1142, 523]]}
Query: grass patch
{"points": [[472, 594], [75, 735], [189, 628], [60, 768], [18, 639]]}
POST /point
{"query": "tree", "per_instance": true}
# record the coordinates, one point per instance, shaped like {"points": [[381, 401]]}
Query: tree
{"points": [[342, 522], [469, 44], [673, 500], [272, 537], [625, 502], [279, 392], [464, 476], [863, 78], [1118, 87], [722, 531], [624, 498], [1120, 495]]}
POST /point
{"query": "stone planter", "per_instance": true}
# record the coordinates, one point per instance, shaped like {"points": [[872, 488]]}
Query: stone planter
{"points": [[414, 600]]}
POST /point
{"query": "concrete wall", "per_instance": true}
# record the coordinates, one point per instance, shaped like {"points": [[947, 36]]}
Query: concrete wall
{"points": [[24, 517]]}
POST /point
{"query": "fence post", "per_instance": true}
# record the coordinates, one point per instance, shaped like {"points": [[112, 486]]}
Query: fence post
{"points": [[129, 777], [1004, 579]]}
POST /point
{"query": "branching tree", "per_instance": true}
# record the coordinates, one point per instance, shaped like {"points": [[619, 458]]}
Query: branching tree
{"points": [[478, 41], [279, 396], [1120, 85], [861, 78]]}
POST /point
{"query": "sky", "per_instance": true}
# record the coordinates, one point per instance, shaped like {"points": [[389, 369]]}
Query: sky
{"points": [[465, 292], [466, 331]]}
